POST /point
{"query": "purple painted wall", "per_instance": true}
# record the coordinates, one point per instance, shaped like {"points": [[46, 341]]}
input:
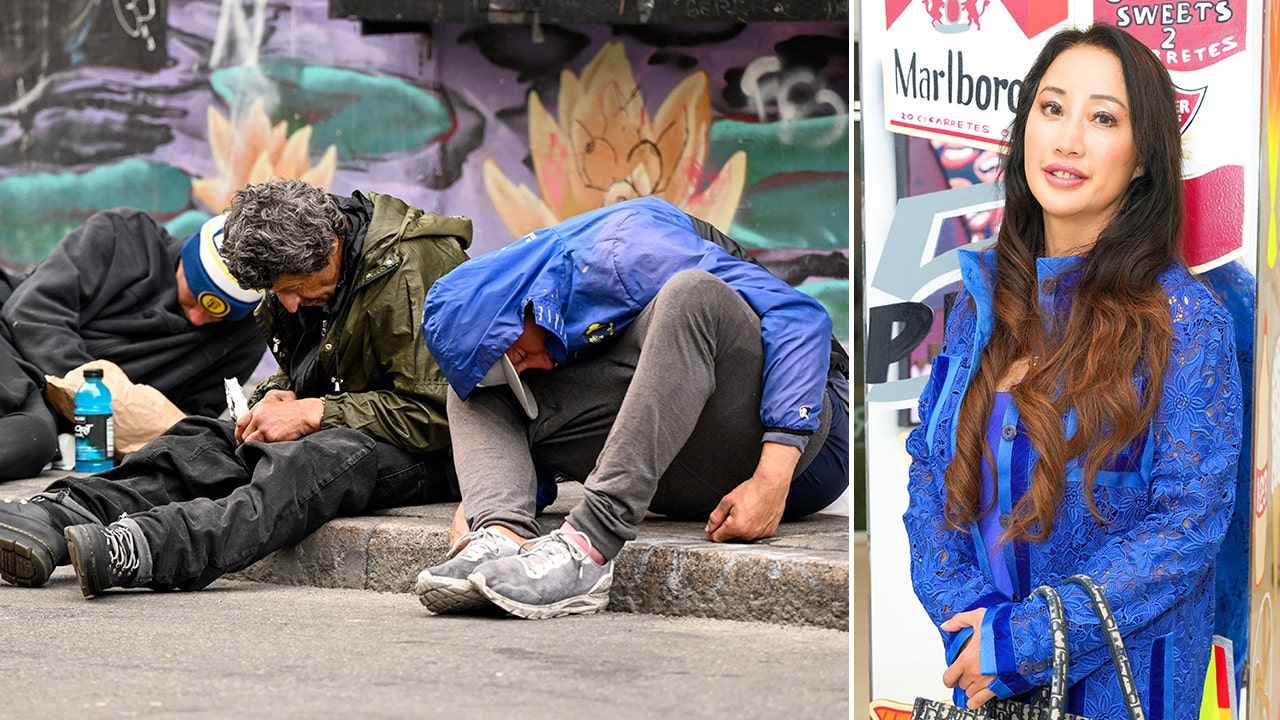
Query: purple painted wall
{"points": [[171, 105]]}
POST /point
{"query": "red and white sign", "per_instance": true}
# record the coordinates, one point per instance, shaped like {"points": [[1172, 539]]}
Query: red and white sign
{"points": [[952, 71], [1203, 45], [953, 68]]}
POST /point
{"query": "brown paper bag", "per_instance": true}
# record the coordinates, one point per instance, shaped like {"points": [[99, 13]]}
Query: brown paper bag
{"points": [[139, 412]]}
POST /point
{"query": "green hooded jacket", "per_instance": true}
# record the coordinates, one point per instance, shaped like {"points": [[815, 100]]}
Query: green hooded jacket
{"points": [[390, 387]]}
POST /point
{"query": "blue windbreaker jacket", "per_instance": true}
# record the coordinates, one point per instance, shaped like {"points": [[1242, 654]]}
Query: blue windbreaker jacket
{"points": [[588, 278]]}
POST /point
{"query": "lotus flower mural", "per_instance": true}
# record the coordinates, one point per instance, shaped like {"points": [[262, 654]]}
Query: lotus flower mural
{"points": [[253, 151], [605, 149]]}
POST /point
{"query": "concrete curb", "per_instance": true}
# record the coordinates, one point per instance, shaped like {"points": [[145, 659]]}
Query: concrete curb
{"points": [[654, 574], [741, 582], [798, 577]]}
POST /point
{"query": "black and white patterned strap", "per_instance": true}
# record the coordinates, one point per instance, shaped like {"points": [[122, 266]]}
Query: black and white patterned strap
{"points": [[1124, 672], [1061, 656]]}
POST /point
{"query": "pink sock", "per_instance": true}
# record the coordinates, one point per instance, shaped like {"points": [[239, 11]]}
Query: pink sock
{"points": [[579, 539]]}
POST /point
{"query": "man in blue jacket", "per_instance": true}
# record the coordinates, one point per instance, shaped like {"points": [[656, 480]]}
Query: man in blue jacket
{"points": [[627, 349]]}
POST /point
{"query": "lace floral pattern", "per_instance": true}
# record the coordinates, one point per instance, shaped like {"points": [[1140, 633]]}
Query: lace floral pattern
{"points": [[1154, 559], [1236, 288]]}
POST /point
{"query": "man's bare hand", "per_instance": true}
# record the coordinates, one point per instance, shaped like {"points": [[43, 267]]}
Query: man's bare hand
{"points": [[458, 527], [280, 416], [275, 395], [754, 508]]}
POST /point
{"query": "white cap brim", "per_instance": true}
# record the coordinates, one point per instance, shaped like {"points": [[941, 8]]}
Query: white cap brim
{"points": [[504, 373], [216, 267]]}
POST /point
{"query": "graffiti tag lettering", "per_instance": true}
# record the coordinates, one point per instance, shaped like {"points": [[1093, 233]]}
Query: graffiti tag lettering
{"points": [[134, 15], [768, 84], [246, 33]]}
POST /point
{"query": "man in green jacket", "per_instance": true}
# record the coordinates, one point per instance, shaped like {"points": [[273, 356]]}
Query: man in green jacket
{"points": [[353, 421]]}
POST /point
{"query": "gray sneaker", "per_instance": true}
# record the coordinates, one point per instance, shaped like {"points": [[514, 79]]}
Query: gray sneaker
{"points": [[445, 587], [549, 578]]}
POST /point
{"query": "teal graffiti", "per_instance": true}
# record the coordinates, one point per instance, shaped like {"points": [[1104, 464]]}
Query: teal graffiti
{"points": [[834, 296], [809, 211], [362, 115], [186, 224], [809, 145], [37, 210]]}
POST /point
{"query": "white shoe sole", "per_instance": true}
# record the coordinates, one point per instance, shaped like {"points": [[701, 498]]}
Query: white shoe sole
{"points": [[442, 595], [596, 600]]}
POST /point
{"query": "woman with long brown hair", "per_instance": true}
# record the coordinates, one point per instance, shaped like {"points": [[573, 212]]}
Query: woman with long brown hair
{"points": [[1084, 416]]}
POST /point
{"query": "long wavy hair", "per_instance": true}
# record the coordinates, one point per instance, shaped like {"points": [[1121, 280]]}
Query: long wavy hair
{"points": [[1118, 328]]}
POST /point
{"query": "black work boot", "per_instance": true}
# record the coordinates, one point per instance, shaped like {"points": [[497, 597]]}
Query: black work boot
{"points": [[116, 555], [31, 541]]}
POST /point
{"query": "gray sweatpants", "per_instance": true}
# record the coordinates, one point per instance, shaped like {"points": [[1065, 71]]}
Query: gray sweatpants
{"points": [[665, 418]]}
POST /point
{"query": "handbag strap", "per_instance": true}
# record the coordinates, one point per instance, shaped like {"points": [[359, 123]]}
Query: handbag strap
{"points": [[1124, 672], [1061, 656]]}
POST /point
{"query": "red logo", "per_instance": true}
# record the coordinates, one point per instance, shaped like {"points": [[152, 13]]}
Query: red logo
{"points": [[1189, 102], [955, 16]]}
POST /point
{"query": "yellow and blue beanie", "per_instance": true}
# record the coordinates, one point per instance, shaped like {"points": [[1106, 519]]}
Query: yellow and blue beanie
{"points": [[211, 283]]}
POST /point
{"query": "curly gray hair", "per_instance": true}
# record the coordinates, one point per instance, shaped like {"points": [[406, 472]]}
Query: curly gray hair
{"points": [[277, 228]]}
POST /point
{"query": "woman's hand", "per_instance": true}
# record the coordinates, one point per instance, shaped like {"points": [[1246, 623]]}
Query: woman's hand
{"points": [[965, 673]]}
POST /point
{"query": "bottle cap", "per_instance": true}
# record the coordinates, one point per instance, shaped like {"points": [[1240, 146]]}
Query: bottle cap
{"points": [[93, 373]]}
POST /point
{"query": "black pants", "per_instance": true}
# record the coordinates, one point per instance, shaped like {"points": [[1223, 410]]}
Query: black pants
{"points": [[209, 506], [28, 434], [28, 437]]}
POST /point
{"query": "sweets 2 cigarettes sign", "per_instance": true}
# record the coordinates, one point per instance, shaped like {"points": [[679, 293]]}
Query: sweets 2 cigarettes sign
{"points": [[1215, 67], [953, 71]]}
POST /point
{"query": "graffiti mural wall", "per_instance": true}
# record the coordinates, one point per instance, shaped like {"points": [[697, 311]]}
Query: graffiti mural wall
{"points": [[170, 105]]}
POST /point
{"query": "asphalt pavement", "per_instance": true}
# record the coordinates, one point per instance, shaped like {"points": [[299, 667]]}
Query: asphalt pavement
{"points": [[258, 650], [800, 576]]}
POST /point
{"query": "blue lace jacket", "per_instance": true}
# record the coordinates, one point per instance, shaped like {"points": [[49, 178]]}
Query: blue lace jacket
{"points": [[1167, 500], [1236, 288]]}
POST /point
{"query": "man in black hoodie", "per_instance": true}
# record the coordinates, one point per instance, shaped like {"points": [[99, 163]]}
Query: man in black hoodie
{"points": [[120, 288]]}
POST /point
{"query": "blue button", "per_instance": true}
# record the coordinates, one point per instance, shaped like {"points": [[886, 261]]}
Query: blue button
{"points": [[1049, 286], [1009, 432]]}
